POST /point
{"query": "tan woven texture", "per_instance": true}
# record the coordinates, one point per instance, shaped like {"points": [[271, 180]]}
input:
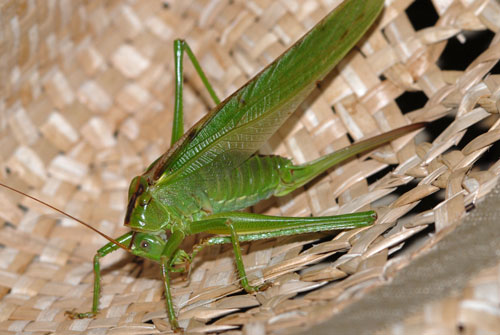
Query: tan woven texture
{"points": [[86, 103]]}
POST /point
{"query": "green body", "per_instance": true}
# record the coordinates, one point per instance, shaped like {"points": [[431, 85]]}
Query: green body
{"points": [[211, 168], [211, 172], [205, 192]]}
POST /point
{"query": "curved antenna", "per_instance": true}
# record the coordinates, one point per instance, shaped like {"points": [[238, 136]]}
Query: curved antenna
{"points": [[69, 216]]}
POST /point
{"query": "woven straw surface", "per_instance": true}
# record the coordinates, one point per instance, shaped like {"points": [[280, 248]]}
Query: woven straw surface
{"points": [[86, 104]]}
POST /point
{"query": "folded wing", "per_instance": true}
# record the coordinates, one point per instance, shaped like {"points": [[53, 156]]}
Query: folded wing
{"points": [[238, 127]]}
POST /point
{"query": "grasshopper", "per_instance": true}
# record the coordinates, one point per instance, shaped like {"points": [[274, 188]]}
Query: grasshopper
{"points": [[211, 172]]}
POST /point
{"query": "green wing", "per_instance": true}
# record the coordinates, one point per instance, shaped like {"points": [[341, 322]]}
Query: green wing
{"points": [[238, 127]]}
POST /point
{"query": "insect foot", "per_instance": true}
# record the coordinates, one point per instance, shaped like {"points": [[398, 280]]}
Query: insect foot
{"points": [[264, 286], [75, 315], [257, 288]]}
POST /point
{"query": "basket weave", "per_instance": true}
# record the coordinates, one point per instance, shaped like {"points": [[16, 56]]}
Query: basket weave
{"points": [[86, 103]]}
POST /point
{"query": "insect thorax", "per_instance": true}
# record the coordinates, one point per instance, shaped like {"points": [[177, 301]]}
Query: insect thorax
{"points": [[144, 212]]}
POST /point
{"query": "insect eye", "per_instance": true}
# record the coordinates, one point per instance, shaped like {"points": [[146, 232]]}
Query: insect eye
{"points": [[143, 202], [145, 245]]}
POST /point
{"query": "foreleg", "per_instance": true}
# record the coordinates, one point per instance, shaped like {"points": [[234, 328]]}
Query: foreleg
{"points": [[108, 248]]}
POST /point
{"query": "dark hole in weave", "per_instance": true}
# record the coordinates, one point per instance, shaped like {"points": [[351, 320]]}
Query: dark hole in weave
{"points": [[422, 14], [488, 158], [414, 242], [491, 155], [474, 131], [410, 101], [379, 175], [457, 56], [426, 203], [330, 235], [334, 257], [382, 77], [496, 68], [438, 126], [471, 133]]}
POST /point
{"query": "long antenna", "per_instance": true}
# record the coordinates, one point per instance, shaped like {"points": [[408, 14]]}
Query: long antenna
{"points": [[69, 216]]}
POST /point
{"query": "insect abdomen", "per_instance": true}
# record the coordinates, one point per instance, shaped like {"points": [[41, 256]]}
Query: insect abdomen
{"points": [[256, 179]]}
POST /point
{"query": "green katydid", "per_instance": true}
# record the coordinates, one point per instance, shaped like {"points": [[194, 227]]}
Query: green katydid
{"points": [[211, 172]]}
